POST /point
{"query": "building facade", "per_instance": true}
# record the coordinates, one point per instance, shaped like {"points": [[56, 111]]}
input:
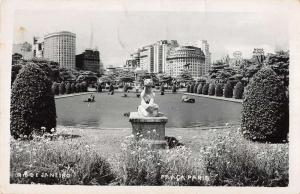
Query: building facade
{"points": [[147, 58], [181, 57], [205, 48], [61, 47], [24, 49], [38, 47], [89, 60], [161, 50]]}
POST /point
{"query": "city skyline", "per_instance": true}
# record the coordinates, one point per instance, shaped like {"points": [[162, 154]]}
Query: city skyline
{"points": [[118, 34]]}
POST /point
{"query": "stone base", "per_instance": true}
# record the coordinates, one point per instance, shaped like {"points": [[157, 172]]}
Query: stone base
{"points": [[151, 128]]}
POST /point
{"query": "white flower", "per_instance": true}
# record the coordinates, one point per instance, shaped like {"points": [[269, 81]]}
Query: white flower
{"points": [[52, 130], [154, 130]]}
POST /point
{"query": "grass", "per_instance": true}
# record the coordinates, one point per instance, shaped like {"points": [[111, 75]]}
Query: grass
{"points": [[209, 157]]}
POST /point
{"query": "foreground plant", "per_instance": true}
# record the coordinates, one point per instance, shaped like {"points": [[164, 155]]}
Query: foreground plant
{"points": [[232, 160], [52, 159], [140, 164]]}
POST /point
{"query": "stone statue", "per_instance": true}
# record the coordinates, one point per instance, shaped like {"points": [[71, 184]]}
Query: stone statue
{"points": [[148, 108]]}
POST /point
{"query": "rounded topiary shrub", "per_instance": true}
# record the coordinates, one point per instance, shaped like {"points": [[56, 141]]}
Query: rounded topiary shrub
{"points": [[84, 86], [199, 88], [205, 89], [238, 91], [211, 89], [55, 88], [62, 88], [188, 88], [99, 88], [192, 88], [228, 90], [195, 88], [174, 89], [14, 72], [68, 88], [265, 115], [32, 103], [219, 90], [78, 87], [73, 90]]}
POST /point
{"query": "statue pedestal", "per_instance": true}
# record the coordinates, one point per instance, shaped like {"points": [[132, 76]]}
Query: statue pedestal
{"points": [[150, 128]]}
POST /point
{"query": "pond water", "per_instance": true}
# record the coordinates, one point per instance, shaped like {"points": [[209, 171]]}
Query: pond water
{"points": [[108, 111]]}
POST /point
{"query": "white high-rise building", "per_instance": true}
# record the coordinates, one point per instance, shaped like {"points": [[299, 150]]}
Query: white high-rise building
{"points": [[38, 47], [205, 48], [190, 57], [61, 47], [147, 59], [161, 51]]}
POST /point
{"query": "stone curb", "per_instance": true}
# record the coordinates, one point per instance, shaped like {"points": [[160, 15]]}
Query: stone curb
{"points": [[215, 97], [71, 95]]}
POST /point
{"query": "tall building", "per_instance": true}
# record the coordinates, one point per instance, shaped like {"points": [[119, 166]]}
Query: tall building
{"points": [[24, 49], [161, 50], [89, 60], [258, 55], [185, 56], [237, 59], [205, 48], [147, 58], [61, 47], [38, 47]]}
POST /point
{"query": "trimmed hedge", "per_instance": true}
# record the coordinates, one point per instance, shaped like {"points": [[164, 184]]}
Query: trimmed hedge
{"points": [[68, 88], [199, 88], [265, 115], [15, 69], [238, 91], [228, 90], [78, 87], [195, 88], [62, 88], [211, 89], [99, 88], [32, 103], [188, 88], [192, 88], [73, 89], [205, 89], [55, 88], [174, 89], [219, 90]]}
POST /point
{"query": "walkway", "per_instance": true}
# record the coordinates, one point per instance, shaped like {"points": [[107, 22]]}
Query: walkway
{"points": [[215, 97]]}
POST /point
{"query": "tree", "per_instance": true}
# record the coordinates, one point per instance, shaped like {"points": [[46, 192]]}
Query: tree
{"points": [[32, 103], [265, 115], [185, 76], [279, 63]]}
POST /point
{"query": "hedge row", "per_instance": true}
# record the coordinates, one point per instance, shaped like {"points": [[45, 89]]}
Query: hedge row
{"points": [[228, 91], [68, 88]]}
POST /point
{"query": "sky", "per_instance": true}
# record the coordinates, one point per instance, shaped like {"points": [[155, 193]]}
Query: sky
{"points": [[117, 34]]}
